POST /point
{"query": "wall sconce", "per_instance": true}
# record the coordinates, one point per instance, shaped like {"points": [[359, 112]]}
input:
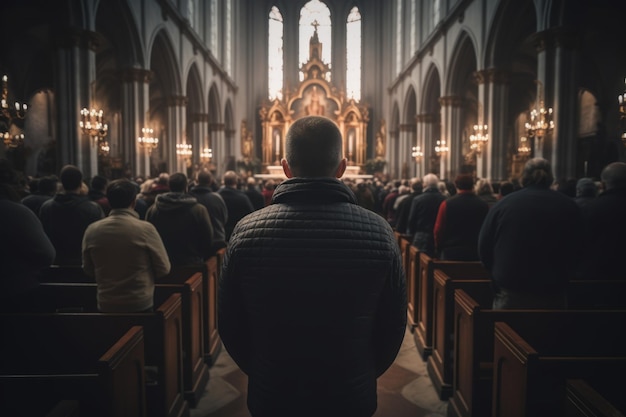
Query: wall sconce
{"points": [[12, 141], [417, 153], [147, 140], [206, 154], [441, 148], [479, 138], [91, 124], [9, 114], [523, 149], [621, 101]]}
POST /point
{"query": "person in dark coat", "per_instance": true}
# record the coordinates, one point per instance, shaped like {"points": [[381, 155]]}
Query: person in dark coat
{"points": [[423, 213], [458, 222], [237, 203], [66, 216], [315, 262], [529, 242], [215, 205], [46, 189], [404, 205], [253, 193], [605, 227], [183, 223]]}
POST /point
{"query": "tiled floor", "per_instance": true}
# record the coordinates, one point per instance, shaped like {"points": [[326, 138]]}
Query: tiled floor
{"points": [[405, 390]]}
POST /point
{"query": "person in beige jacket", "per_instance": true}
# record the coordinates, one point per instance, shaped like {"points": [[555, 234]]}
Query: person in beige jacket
{"points": [[124, 254]]}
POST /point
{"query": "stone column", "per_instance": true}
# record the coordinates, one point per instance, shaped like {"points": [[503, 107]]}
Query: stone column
{"points": [[493, 93], [175, 131], [75, 86], [543, 147], [199, 132], [451, 127], [405, 144], [425, 140], [220, 150], [135, 83]]}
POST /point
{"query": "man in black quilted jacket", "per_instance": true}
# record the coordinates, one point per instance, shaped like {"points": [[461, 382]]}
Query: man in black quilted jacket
{"points": [[312, 297]]}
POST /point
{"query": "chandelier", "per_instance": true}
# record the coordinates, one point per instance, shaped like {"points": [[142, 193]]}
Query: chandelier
{"points": [[183, 149], [12, 141], [621, 100], [541, 123], [206, 154], [417, 153], [10, 114], [147, 139], [479, 138], [91, 124], [441, 148], [523, 149], [104, 149]]}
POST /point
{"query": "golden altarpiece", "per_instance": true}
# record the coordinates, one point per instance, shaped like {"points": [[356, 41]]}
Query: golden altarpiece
{"points": [[315, 95]]}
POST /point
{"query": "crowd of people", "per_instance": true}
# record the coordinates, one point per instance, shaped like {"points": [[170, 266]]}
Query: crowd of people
{"points": [[315, 239]]}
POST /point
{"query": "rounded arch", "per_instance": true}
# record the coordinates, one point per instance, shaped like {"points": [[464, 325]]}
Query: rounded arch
{"points": [[431, 91], [162, 64], [194, 92], [114, 21], [410, 106], [214, 106], [463, 64]]}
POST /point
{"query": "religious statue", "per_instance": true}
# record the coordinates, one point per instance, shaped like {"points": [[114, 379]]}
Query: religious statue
{"points": [[380, 140], [314, 108], [246, 140]]}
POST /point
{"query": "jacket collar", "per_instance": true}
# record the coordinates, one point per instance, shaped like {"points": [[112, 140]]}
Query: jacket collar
{"points": [[313, 190]]}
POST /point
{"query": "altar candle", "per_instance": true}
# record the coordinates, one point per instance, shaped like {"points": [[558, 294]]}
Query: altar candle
{"points": [[277, 138], [350, 139]]}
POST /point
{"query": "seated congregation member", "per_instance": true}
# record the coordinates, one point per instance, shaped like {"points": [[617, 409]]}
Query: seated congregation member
{"points": [[253, 193], [404, 205], [529, 242], [312, 298], [458, 222], [66, 216], [423, 213], [124, 254], [215, 205], [605, 227], [25, 249], [97, 193], [46, 189], [183, 223], [237, 203]]}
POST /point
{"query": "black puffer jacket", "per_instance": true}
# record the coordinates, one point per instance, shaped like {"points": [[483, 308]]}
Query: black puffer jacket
{"points": [[312, 301]]}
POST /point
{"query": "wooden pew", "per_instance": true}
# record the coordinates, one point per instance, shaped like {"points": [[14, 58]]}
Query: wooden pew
{"points": [[195, 373], [474, 325], [424, 287], [583, 400], [412, 287], [439, 363], [163, 332], [54, 367], [532, 363]]}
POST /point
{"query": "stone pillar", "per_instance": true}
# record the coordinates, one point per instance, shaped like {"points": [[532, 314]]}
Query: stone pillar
{"points": [[198, 136], [426, 123], [135, 107], [493, 93], [452, 123], [175, 132], [543, 147], [566, 80], [405, 144], [75, 80], [220, 150]]}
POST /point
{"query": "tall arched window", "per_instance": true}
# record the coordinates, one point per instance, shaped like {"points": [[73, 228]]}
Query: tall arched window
{"points": [[315, 15], [413, 40], [228, 38], [353, 54], [275, 54], [214, 28]]}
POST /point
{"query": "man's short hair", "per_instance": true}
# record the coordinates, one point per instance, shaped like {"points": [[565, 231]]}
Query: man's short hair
{"points": [[71, 178], [614, 175], [313, 147], [178, 182], [121, 193], [204, 178], [431, 181], [230, 179], [47, 185], [537, 171], [99, 182], [464, 182]]}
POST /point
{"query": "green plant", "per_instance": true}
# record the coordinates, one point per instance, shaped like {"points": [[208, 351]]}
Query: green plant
{"points": [[374, 165]]}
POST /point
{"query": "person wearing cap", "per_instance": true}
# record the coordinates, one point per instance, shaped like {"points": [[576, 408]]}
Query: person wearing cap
{"points": [[458, 222]]}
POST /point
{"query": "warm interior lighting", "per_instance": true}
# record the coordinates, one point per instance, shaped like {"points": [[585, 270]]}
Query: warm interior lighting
{"points": [[479, 138], [91, 124], [147, 140], [183, 149], [441, 148], [417, 153]]}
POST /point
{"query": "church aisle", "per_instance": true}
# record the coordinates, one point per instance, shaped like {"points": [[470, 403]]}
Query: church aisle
{"points": [[405, 390]]}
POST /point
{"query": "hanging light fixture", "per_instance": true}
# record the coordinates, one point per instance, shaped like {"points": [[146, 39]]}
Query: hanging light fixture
{"points": [[479, 138], [417, 153], [12, 141], [91, 124], [10, 113], [206, 154], [441, 148], [540, 124], [523, 149], [147, 140], [183, 149]]}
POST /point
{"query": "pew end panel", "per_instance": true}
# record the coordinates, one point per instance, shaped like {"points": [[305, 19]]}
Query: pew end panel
{"points": [[412, 286], [530, 372], [584, 400], [101, 371]]}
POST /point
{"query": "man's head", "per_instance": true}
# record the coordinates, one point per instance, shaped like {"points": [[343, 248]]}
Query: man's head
{"points": [[99, 183], [71, 178], [464, 182], [537, 171], [204, 178], [431, 181], [178, 182], [416, 185], [230, 179], [47, 185], [586, 187], [614, 175], [121, 194], [314, 149]]}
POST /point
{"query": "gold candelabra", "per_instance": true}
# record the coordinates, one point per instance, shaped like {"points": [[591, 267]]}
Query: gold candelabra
{"points": [[441, 147], [523, 149], [147, 140], [183, 149], [206, 154], [417, 153], [12, 141], [92, 125], [479, 138], [540, 124], [10, 113]]}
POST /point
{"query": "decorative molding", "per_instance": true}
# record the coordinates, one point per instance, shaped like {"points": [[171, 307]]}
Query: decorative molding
{"points": [[198, 117], [138, 75], [426, 118], [407, 127], [451, 101], [492, 75], [214, 127], [174, 101]]}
